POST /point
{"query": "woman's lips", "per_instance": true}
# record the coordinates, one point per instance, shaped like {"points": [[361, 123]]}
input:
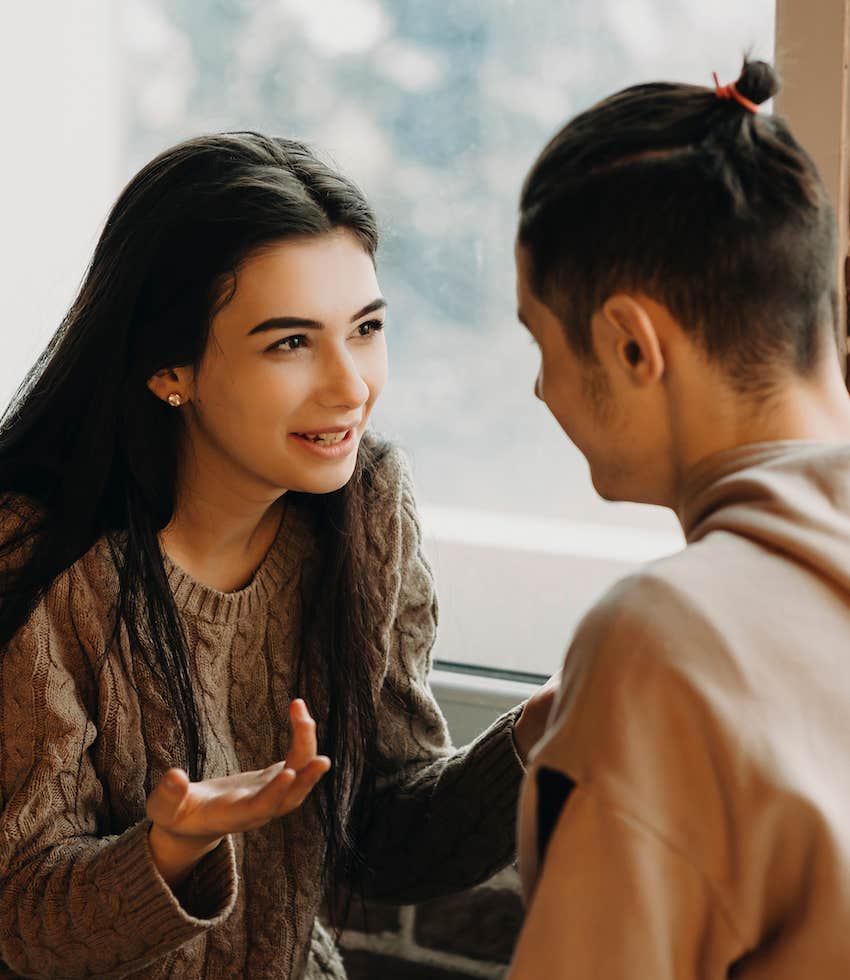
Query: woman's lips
{"points": [[327, 450]]}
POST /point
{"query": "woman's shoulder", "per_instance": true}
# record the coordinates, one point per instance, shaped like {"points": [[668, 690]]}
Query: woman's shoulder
{"points": [[21, 517], [386, 468], [393, 517], [23, 522], [17, 510]]}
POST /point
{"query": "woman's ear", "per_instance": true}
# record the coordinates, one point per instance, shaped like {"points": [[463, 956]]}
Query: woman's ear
{"points": [[172, 385], [627, 339]]}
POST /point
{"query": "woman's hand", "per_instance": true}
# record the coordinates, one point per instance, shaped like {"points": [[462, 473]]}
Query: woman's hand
{"points": [[529, 727], [190, 819]]}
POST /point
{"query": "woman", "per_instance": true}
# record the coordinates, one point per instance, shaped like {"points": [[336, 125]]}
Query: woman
{"points": [[199, 536]]}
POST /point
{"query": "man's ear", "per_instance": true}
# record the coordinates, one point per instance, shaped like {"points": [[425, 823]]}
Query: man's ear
{"points": [[626, 339], [170, 382]]}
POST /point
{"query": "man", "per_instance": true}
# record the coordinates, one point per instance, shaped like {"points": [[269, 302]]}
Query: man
{"points": [[687, 813]]}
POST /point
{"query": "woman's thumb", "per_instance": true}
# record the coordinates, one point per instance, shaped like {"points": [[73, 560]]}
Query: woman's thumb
{"points": [[175, 782], [169, 794]]}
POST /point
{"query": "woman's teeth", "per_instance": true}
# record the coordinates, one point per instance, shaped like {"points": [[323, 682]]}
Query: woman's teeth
{"points": [[328, 438]]}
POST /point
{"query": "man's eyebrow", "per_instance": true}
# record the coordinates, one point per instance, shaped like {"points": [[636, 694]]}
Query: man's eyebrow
{"points": [[303, 323]]}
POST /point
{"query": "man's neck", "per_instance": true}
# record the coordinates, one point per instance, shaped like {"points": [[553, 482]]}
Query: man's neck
{"points": [[718, 418]]}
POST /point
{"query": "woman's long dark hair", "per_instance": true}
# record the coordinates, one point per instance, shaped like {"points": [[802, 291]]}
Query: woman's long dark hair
{"points": [[90, 451]]}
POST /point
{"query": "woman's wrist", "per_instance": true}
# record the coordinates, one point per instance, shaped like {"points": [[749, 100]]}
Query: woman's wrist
{"points": [[176, 857]]}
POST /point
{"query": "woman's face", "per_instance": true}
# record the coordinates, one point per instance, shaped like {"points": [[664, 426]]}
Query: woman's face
{"points": [[294, 363]]}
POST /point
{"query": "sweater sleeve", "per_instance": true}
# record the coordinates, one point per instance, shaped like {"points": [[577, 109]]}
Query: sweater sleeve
{"points": [[73, 902], [444, 817]]}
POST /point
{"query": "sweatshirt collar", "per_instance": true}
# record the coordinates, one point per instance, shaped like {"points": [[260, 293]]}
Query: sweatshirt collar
{"points": [[706, 484]]}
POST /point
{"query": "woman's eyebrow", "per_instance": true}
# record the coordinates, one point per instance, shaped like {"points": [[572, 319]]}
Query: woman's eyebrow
{"points": [[377, 304], [302, 323], [286, 323]]}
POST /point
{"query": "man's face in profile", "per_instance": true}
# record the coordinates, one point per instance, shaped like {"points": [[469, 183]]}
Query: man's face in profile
{"points": [[577, 392]]}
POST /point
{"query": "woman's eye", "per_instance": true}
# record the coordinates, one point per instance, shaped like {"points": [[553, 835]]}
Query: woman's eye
{"points": [[370, 327], [295, 342]]}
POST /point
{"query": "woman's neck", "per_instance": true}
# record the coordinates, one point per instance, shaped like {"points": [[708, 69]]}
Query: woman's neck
{"points": [[219, 532]]}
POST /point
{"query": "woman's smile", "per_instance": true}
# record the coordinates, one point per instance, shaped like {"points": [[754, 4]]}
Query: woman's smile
{"points": [[330, 444]]}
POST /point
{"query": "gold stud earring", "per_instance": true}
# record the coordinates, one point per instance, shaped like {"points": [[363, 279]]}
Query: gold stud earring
{"points": [[174, 399]]}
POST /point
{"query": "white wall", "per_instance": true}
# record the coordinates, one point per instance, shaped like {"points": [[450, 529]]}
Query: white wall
{"points": [[60, 117]]}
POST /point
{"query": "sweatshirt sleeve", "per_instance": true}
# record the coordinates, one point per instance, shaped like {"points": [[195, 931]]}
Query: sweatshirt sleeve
{"points": [[628, 848], [616, 900], [444, 817], [73, 902]]}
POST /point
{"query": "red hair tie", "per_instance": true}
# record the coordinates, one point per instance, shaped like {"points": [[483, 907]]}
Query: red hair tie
{"points": [[730, 92]]}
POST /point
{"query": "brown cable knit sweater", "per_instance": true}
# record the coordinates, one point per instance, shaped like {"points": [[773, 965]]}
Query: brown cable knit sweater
{"points": [[82, 743]]}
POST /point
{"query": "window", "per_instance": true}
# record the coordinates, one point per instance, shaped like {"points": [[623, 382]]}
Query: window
{"points": [[437, 110]]}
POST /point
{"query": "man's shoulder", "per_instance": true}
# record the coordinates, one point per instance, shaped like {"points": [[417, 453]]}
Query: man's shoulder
{"points": [[652, 623], [653, 600], [685, 589]]}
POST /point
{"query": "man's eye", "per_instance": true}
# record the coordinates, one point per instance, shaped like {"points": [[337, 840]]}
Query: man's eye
{"points": [[370, 327]]}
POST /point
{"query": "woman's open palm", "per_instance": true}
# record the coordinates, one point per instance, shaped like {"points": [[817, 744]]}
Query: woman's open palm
{"points": [[208, 810]]}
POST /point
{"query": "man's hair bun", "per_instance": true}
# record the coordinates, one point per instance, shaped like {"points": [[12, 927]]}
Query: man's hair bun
{"points": [[758, 81]]}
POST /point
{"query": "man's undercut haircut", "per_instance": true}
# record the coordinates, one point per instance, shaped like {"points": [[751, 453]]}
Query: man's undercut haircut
{"points": [[698, 203]]}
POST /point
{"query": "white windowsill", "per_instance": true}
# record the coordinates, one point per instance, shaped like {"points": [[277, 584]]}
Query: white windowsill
{"points": [[512, 588], [471, 702], [520, 532]]}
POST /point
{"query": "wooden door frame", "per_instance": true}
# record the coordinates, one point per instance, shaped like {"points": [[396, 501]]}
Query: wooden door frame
{"points": [[813, 58]]}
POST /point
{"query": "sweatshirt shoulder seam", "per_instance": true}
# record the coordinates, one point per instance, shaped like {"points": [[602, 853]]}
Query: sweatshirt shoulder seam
{"points": [[622, 811]]}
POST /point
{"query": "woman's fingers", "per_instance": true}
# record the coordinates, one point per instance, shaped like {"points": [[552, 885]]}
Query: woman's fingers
{"points": [[265, 803], [288, 790], [303, 746], [306, 780], [242, 801]]}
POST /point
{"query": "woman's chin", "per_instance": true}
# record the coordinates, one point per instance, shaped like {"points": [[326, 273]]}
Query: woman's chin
{"points": [[333, 478]]}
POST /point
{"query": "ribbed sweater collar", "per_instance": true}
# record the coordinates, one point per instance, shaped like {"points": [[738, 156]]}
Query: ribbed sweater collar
{"points": [[277, 569]]}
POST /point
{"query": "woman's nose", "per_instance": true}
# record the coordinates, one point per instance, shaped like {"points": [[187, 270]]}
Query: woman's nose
{"points": [[343, 384]]}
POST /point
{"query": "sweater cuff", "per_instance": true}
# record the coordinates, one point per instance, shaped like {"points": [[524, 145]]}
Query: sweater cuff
{"points": [[496, 764], [514, 714], [152, 906]]}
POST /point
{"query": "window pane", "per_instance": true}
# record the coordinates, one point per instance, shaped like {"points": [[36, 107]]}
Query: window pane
{"points": [[437, 110]]}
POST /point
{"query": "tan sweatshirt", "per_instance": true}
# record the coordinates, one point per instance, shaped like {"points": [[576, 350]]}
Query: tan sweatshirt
{"points": [[687, 814], [82, 743]]}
